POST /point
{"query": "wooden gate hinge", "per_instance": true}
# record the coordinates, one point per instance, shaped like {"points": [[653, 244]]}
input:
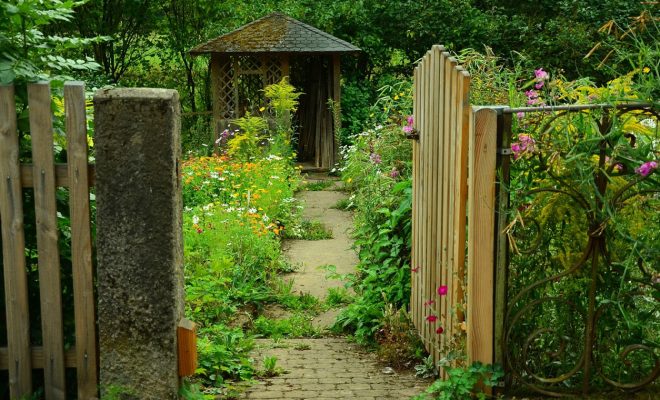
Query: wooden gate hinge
{"points": [[414, 135]]}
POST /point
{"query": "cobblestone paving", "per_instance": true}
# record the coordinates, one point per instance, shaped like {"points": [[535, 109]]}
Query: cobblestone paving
{"points": [[330, 368]]}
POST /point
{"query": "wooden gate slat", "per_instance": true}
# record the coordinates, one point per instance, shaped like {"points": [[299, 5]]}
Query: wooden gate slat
{"points": [[428, 244], [81, 241], [13, 251], [435, 191], [462, 191], [451, 204], [414, 262], [47, 247]]}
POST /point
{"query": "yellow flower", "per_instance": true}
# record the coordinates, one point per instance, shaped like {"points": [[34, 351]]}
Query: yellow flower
{"points": [[349, 180], [396, 97], [262, 109], [646, 70]]}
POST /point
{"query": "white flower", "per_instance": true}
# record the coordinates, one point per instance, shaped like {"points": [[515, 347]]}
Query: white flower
{"points": [[265, 218], [214, 175], [195, 220], [186, 208], [252, 210], [649, 123], [207, 207]]}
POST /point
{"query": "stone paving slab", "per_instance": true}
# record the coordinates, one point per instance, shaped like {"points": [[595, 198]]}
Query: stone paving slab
{"points": [[328, 368]]}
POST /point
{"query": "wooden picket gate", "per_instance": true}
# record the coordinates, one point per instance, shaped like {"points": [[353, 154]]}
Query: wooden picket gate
{"points": [[453, 212], [43, 176]]}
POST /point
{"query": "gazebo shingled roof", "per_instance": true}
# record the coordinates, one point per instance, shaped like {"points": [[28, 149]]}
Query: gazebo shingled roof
{"points": [[275, 33]]}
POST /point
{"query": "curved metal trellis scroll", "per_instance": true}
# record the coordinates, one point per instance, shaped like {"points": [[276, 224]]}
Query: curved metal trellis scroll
{"points": [[581, 266]]}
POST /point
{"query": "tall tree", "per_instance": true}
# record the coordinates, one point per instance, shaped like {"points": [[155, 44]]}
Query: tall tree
{"points": [[128, 23], [187, 25]]}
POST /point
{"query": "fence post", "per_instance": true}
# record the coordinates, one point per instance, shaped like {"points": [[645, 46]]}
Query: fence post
{"points": [[501, 240], [481, 235], [139, 241]]}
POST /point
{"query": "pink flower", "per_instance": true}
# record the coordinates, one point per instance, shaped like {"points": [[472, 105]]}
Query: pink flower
{"points": [[409, 127], [520, 115], [394, 173], [442, 290], [375, 158], [515, 148], [439, 330], [646, 168], [431, 318], [429, 303], [539, 85], [527, 143], [540, 74]]}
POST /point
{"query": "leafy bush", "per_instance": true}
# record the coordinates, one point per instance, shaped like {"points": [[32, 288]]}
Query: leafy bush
{"points": [[583, 201], [377, 171], [236, 208], [462, 383]]}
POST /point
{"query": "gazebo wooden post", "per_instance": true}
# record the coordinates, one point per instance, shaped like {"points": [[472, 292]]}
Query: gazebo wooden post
{"points": [[285, 65], [336, 97]]}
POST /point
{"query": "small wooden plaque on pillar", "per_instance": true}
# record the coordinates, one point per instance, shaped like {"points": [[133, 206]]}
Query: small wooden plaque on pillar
{"points": [[187, 335]]}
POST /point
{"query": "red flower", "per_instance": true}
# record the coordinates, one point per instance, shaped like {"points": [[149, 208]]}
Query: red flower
{"points": [[442, 290], [429, 303], [431, 318], [414, 269], [439, 330]]}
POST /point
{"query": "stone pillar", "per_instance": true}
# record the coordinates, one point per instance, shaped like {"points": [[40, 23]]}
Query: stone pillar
{"points": [[139, 240]]}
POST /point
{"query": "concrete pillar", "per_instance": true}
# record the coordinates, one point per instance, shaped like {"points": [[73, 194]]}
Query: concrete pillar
{"points": [[139, 240]]}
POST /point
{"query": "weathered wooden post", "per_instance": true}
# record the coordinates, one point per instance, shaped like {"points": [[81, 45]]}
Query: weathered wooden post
{"points": [[139, 241]]}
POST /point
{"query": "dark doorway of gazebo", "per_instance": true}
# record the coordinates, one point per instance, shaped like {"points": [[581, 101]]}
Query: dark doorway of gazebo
{"points": [[313, 140]]}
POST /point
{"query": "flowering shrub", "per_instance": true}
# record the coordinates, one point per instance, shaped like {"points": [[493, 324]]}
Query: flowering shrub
{"points": [[237, 207], [584, 208], [377, 171]]}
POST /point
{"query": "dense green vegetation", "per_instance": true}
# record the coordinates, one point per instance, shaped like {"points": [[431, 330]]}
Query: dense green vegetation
{"points": [[145, 43], [240, 205]]}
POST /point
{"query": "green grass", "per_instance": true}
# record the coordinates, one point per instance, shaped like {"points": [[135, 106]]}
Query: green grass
{"points": [[298, 325], [315, 186], [301, 302], [344, 205], [308, 230], [338, 297]]}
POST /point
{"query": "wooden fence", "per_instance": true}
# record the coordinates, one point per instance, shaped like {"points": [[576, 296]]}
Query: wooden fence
{"points": [[453, 211], [43, 176]]}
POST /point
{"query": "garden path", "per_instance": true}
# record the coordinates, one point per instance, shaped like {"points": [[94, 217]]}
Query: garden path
{"points": [[328, 367]]}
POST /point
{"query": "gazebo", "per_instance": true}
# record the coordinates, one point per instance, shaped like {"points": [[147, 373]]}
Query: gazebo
{"points": [[260, 53]]}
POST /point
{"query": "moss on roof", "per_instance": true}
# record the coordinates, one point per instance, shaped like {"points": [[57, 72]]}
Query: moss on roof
{"points": [[275, 33]]}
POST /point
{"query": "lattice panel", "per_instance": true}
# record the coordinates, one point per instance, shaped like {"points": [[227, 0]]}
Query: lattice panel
{"points": [[250, 93], [226, 95], [249, 65], [273, 70]]}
